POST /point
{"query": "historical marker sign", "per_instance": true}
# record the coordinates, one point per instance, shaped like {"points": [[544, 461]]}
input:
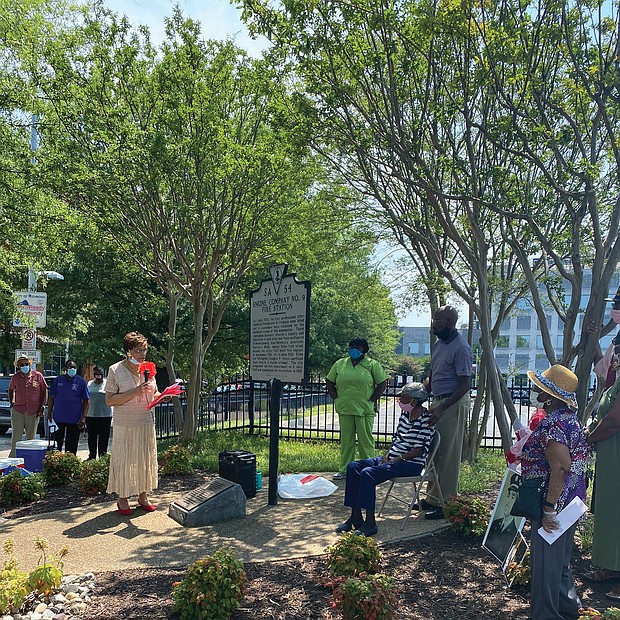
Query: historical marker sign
{"points": [[279, 328]]}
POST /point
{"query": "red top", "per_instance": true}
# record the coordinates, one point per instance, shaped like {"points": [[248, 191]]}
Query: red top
{"points": [[29, 392]]}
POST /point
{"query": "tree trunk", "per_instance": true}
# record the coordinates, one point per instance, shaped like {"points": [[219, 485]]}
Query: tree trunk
{"points": [[190, 425], [173, 304]]}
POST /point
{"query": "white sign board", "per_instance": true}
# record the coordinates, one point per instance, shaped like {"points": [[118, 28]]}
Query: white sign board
{"points": [[35, 356], [279, 328], [29, 337], [30, 309]]}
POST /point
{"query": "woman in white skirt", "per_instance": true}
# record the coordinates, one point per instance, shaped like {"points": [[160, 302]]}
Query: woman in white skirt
{"points": [[133, 460]]}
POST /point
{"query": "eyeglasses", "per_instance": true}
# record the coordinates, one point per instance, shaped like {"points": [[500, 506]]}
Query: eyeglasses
{"points": [[141, 350], [22, 365]]}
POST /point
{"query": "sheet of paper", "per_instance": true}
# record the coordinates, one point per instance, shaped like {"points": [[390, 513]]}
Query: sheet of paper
{"points": [[566, 517]]}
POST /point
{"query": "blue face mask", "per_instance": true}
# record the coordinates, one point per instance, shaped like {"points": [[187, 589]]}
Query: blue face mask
{"points": [[71, 372], [25, 369], [355, 354]]}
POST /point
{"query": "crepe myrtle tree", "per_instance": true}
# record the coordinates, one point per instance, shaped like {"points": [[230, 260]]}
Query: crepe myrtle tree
{"points": [[183, 154]]}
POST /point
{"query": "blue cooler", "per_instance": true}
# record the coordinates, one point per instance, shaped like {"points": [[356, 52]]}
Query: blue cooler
{"points": [[6, 463], [33, 452]]}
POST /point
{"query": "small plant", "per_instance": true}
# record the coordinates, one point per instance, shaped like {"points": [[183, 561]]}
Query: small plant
{"points": [[353, 555], [611, 613], [17, 489], [94, 474], [519, 573], [212, 589], [46, 576], [13, 583], [468, 515], [176, 460], [367, 597], [61, 468], [588, 612]]}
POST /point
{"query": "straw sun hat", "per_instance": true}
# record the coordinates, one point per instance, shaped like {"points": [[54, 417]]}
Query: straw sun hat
{"points": [[558, 381]]}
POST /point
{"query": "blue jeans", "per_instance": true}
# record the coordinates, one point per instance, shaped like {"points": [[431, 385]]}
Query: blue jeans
{"points": [[363, 477]]}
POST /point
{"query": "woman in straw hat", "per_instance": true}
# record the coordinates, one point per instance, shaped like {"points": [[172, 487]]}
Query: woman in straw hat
{"points": [[557, 451], [605, 498]]}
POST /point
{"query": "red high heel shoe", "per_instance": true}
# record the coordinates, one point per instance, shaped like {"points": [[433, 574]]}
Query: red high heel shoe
{"points": [[123, 511], [147, 507]]}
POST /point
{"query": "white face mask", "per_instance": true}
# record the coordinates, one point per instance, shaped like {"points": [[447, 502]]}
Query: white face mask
{"points": [[538, 397]]}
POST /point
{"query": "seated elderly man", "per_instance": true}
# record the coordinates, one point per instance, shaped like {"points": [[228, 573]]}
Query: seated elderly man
{"points": [[405, 457]]}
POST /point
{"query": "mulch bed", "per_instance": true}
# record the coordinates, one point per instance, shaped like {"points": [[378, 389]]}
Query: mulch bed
{"points": [[440, 577]]}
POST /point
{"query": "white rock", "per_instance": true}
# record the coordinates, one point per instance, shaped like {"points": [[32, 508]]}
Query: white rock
{"points": [[40, 608], [48, 614], [35, 616], [71, 587], [72, 596], [78, 608], [58, 599]]}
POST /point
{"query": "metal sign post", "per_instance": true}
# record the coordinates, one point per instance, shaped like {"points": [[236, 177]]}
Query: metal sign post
{"points": [[279, 334]]}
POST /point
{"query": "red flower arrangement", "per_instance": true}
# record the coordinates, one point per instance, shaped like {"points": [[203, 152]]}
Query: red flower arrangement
{"points": [[148, 369]]}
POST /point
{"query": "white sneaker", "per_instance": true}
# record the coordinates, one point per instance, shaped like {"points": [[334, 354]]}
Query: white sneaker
{"points": [[339, 476]]}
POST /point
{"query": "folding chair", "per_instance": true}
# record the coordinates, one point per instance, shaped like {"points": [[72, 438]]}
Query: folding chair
{"points": [[428, 474]]}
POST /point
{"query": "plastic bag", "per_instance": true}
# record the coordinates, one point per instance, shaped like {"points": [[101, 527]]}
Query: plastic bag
{"points": [[304, 486]]}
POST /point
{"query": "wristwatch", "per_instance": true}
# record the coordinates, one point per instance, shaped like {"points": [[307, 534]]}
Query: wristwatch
{"points": [[550, 505]]}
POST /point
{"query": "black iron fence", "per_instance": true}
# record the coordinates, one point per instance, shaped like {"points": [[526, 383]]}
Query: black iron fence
{"points": [[307, 411]]}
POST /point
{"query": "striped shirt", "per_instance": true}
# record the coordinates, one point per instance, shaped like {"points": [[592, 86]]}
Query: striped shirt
{"points": [[412, 434]]}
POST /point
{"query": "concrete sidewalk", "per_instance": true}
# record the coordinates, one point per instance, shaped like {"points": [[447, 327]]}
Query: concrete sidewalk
{"points": [[99, 539]]}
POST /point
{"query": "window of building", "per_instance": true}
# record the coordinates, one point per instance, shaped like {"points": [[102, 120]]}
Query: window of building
{"points": [[414, 348], [539, 342], [503, 342], [427, 348], [560, 341], [524, 322], [506, 325], [523, 342], [522, 362]]}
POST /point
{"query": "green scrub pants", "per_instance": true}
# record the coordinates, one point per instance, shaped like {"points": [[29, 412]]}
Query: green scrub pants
{"points": [[350, 426]]}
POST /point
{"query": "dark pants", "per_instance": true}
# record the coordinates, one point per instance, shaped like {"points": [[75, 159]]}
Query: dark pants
{"points": [[363, 477], [553, 589], [72, 436], [98, 435]]}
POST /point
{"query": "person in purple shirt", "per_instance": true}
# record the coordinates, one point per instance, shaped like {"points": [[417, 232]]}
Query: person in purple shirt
{"points": [[449, 382], [556, 451], [67, 406]]}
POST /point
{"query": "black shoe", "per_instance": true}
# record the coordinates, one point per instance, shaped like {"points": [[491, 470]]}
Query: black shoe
{"points": [[347, 526], [364, 530], [435, 514], [423, 505]]}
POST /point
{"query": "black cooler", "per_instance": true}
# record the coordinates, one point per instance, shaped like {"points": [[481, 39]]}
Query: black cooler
{"points": [[239, 466]]}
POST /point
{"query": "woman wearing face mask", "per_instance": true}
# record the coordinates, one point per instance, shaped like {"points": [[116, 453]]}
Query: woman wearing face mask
{"points": [[68, 406], [27, 395], [99, 418], [557, 452], [133, 460], [405, 457], [356, 382]]}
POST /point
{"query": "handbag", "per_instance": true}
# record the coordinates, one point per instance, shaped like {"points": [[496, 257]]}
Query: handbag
{"points": [[530, 498]]}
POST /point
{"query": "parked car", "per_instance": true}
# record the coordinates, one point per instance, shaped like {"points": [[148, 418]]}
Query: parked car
{"points": [[5, 407]]}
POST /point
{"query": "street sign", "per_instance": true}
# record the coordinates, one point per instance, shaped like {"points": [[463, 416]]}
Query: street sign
{"points": [[279, 328], [35, 356], [29, 338], [30, 309]]}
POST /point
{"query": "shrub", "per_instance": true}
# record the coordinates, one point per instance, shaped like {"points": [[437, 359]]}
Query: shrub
{"points": [[212, 588], [367, 597], [588, 612], [94, 474], [611, 613], [16, 489], [519, 573], [468, 515], [60, 468], [353, 555], [15, 585], [176, 460]]}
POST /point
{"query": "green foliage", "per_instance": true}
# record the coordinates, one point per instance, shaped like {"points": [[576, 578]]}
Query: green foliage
{"points": [[408, 365], [519, 573], [61, 468], [16, 489], [212, 589], [15, 585], [468, 515], [353, 555], [176, 460], [94, 474], [367, 597]]}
